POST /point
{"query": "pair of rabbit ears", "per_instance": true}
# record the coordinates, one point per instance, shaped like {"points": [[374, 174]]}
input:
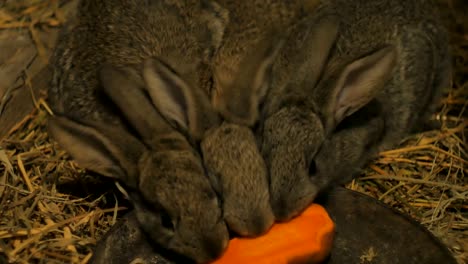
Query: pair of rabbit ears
{"points": [[178, 101], [161, 104], [239, 99], [358, 83], [355, 85], [164, 102]]}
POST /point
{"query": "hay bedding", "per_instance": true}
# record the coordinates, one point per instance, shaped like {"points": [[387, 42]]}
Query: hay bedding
{"points": [[51, 211]]}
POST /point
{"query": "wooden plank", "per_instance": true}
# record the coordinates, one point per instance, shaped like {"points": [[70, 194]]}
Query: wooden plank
{"points": [[17, 95], [17, 51], [19, 59]]}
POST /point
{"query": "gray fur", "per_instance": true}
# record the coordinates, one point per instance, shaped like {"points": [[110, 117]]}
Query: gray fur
{"points": [[240, 66], [400, 41], [251, 22]]}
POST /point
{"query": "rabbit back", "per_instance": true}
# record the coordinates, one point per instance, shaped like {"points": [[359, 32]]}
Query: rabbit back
{"points": [[124, 33], [249, 22], [423, 58]]}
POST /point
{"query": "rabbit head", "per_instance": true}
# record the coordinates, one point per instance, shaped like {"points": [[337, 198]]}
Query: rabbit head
{"points": [[308, 108], [238, 173], [162, 173]]}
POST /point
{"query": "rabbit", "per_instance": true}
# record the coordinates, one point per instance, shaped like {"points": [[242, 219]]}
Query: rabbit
{"points": [[105, 121], [252, 38], [162, 173], [244, 56], [354, 78], [230, 153]]}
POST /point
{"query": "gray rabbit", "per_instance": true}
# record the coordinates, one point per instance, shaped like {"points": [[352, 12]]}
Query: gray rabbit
{"points": [[372, 75], [118, 53], [353, 78], [234, 163], [252, 39], [162, 174]]}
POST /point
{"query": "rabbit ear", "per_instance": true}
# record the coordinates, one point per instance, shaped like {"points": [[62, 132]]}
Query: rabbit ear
{"points": [[359, 83], [239, 101], [319, 42], [111, 152], [125, 89], [176, 100]]}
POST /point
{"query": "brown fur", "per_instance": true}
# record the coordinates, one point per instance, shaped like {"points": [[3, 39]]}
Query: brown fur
{"points": [[252, 40], [368, 86]]}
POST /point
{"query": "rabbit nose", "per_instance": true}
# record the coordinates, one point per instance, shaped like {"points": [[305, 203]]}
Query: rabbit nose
{"points": [[282, 211], [255, 225], [262, 223], [213, 247], [281, 214], [288, 206]]}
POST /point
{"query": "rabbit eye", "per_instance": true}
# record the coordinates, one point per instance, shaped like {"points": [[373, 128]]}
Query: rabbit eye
{"points": [[166, 221], [312, 168]]}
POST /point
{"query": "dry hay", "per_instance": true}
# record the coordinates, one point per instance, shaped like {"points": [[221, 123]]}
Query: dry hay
{"points": [[51, 211]]}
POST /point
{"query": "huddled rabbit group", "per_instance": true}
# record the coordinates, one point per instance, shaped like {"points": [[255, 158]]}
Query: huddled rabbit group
{"points": [[221, 117]]}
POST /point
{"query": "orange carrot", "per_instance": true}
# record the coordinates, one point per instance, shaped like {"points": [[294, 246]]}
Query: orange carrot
{"points": [[306, 237]]}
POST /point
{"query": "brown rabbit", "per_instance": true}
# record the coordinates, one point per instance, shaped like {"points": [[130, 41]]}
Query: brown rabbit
{"points": [[251, 41], [232, 158], [95, 94], [162, 173], [362, 77], [383, 69]]}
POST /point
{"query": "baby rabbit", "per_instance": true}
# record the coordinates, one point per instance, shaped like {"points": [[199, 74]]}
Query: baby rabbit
{"points": [[383, 72], [232, 158], [96, 96], [162, 173], [252, 39], [354, 78]]}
